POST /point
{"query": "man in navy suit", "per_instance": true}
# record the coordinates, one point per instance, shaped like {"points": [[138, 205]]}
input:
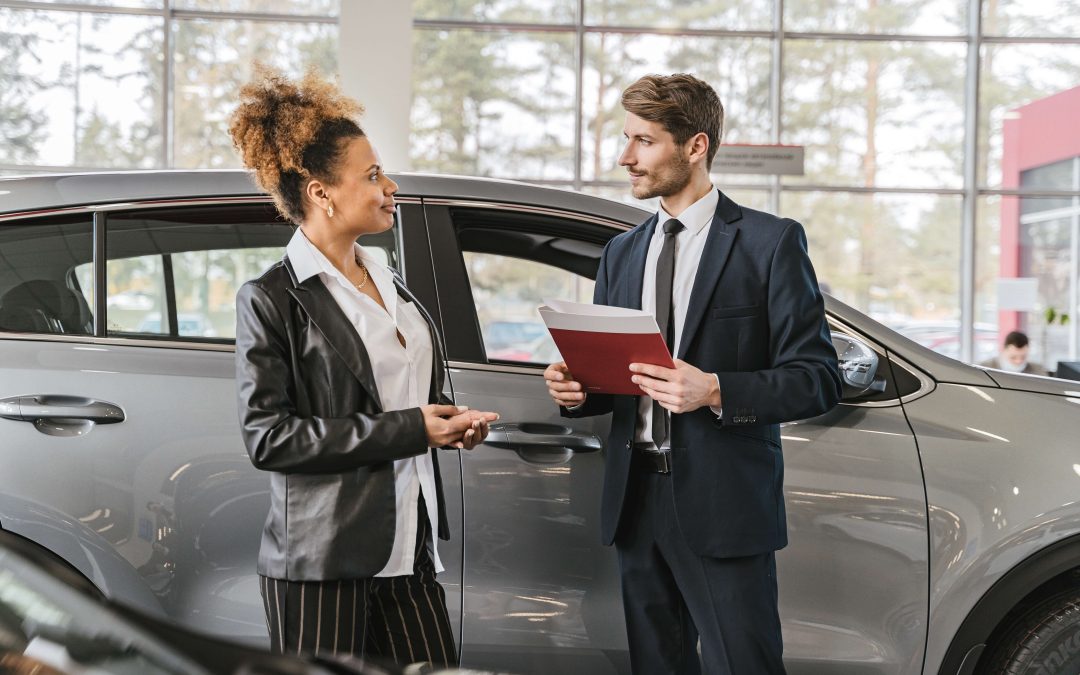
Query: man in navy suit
{"points": [[693, 492]]}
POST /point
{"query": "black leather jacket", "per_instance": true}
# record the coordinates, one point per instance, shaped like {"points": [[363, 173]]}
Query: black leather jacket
{"points": [[310, 414]]}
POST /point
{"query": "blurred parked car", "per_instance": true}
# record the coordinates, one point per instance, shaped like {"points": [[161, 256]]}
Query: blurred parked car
{"points": [[944, 338], [540, 350], [53, 622], [501, 335], [933, 515], [187, 325]]}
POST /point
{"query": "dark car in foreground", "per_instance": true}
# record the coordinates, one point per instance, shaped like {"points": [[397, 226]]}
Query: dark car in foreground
{"points": [[54, 622], [934, 515]]}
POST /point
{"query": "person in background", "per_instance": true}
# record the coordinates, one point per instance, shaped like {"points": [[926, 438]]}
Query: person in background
{"points": [[339, 375], [1014, 356]]}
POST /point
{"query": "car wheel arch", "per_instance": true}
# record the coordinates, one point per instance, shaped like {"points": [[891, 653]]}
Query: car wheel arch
{"points": [[54, 563], [80, 549], [1037, 576]]}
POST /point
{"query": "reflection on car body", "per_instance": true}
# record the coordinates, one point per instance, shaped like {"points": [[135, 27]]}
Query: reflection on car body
{"points": [[932, 515]]}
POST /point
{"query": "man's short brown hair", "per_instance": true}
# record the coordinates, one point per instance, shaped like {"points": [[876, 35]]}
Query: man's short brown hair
{"points": [[682, 104]]}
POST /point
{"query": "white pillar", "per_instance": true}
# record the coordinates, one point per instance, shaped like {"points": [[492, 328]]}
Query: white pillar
{"points": [[375, 66]]}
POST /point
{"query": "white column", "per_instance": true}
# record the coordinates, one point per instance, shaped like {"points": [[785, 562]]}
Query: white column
{"points": [[375, 66]]}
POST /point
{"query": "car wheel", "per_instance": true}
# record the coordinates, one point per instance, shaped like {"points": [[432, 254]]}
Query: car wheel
{"points": [[1045, 640]]}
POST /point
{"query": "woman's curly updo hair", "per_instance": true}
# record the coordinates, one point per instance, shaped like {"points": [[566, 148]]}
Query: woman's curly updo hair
{"points": [[291, 132]]}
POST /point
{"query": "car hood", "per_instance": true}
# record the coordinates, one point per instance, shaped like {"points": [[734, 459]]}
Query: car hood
{"points": [[1034, 383]]}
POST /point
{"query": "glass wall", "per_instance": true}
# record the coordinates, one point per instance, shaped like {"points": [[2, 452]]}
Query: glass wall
{"points": [[906, 110], [123, 84], [940, 135]]}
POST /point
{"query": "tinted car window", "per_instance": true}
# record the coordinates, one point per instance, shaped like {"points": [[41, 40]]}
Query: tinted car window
{"points": [[174, 273], [507, 291], [39, 290], [513, 261]]}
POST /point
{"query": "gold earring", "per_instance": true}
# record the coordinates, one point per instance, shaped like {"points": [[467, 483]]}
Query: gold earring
{"points": [[330, 210]]}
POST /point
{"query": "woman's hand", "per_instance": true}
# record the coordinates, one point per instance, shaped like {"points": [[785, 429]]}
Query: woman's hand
{"points": [[456, 426]]}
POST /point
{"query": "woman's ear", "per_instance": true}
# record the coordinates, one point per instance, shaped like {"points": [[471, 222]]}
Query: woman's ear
{"points": [[316, 193]]}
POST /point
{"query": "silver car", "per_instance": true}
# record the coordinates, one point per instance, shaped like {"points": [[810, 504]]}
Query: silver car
{"points": [[934, 516]]}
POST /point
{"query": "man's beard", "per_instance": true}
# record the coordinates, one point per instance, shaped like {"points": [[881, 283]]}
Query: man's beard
{"points": [[674, 177]]}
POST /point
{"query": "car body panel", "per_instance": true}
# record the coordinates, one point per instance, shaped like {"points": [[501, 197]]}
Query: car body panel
{"points": [[19, 195], [998, 490], [903, 511]]}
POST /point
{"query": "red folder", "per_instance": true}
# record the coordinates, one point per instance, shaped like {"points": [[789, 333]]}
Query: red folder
{"points": [[599, 343]]}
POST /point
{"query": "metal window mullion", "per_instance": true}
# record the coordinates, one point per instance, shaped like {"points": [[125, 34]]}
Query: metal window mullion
{"points": [[776, 85], [971, 191], [170, 314], [168, 97], [1074, 282], [75, 7], [579, 95], [151, 11], [253, 16], [1051, 214], [100, 258]]}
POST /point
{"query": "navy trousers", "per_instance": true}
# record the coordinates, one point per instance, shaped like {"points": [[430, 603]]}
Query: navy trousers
{"points": [[672, 596]]}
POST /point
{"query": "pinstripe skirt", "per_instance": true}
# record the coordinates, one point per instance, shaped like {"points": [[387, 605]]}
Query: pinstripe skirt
{"points": [[400, 618]]}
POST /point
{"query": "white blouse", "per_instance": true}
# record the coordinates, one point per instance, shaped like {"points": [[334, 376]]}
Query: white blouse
{"points": [[403, 375]]}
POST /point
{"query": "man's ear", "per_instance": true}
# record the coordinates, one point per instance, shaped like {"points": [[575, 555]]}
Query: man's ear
{"points": [[698, 146]]}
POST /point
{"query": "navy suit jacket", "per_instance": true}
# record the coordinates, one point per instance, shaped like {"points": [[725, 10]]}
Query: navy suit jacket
{"points": [[756, 318]]}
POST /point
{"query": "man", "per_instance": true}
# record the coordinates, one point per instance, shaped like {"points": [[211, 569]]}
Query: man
{"points": [[1014, 356], [693, 491]]}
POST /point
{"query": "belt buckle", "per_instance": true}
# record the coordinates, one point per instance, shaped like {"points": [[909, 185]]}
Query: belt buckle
{"points": [[663, 462]]}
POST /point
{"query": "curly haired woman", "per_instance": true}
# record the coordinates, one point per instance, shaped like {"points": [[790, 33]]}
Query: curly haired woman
{"points": [[339, 379]]}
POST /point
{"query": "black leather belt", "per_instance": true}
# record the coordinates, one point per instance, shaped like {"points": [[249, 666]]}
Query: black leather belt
{"points": [[653, 462]]}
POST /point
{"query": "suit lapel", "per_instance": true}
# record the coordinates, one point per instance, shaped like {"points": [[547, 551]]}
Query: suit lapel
{"points": [[323, 310], [639, 250], [714, 257]]}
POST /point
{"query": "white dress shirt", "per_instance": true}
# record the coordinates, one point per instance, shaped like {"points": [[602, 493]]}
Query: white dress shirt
{"points": [[689, 243], [403, 375]]}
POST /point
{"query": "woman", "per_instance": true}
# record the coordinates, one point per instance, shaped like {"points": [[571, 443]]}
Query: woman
{"points": [[339, 377]]}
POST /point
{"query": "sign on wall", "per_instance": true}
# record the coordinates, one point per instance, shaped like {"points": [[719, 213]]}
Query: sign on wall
{"points": [[773, 160]]}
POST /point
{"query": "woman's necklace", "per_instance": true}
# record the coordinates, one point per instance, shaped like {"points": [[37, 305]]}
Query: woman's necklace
{"points": [[364, 268]]}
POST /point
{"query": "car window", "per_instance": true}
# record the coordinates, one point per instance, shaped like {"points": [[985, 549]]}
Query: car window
{"points": [[175, 273], [515, 261], [39, 289], [507, 291]]}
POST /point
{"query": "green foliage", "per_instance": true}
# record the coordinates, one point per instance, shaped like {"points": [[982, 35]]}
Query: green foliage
{"points": [[22, 126]]}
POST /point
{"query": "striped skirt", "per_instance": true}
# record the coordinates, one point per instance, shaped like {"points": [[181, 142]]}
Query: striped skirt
{"points": [[403, 618]]}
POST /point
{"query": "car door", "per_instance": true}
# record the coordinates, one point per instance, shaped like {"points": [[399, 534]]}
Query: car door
{"points": [[854, 577], [540, 594], [167, 494]]}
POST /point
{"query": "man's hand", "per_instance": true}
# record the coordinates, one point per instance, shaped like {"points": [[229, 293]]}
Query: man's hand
{"points": [[562, 386], [681, 389], [456, 426]]}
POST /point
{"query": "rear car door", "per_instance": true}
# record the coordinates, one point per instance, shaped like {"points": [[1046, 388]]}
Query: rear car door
{"points": [[540, 594]]}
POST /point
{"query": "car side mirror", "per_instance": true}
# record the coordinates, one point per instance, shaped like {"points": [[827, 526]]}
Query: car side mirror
{"points": [[858, 366]]}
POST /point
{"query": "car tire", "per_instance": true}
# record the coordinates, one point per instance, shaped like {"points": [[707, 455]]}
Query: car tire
{"points": [[1044, 640]]}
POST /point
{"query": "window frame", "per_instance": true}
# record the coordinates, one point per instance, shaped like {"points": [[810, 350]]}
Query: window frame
{"points": [[99, 214], [461, 323]]}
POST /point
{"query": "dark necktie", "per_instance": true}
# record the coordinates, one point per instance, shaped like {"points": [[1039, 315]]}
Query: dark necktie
{"points": [[665, 317]]}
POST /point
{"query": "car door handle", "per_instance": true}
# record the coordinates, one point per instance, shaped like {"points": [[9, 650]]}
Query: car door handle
{"points": [[58, 409], [535, 436]]}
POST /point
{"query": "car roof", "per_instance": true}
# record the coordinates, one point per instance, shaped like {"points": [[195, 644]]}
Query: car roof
{"points": [[58, 191]]}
